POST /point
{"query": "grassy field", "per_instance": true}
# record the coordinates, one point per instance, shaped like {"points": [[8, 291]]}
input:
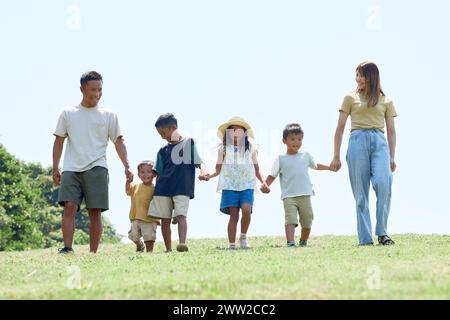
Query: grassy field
{"points": [[418, 267]]}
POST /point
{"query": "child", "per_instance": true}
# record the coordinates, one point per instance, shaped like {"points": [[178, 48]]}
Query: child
{"points": [[141, 194], [175, 169], [296, 187], [238, 168]]}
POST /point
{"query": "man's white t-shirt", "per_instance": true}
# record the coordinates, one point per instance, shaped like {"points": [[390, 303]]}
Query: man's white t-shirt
{"points": [[87, 131], [294, 176]]}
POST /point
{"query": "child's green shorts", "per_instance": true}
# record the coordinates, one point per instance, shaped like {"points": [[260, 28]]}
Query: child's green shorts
{"points": [[298, 207]]}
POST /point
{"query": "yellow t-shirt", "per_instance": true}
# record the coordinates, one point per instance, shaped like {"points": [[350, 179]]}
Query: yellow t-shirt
{"points": [[141, 195], [364, 117]]}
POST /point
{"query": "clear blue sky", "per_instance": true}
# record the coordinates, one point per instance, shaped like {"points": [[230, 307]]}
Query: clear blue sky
{"points": [[272, 62]]}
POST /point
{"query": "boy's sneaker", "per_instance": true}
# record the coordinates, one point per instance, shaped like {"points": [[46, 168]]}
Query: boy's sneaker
{"points": [[303, 243], [244, 243], [182, 247], [291, 244], [140, 247], [65, 250]]}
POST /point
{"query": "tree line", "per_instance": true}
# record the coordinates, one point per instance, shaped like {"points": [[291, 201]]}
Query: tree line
{"points": [[30, 217]]}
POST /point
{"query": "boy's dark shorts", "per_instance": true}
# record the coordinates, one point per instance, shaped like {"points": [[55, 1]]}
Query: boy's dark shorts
{"points": [[91, 185]]}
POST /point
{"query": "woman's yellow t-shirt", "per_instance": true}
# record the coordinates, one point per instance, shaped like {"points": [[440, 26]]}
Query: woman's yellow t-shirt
{"points": [[364, 117]]}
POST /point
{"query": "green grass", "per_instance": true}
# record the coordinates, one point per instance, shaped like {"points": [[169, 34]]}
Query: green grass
{"points": [[418, 267]]}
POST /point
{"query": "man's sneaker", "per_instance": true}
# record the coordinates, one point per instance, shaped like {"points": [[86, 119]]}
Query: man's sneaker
{"points": [[65, 250], [303, 243], [182, 247], [244, 243], [291, 244]]}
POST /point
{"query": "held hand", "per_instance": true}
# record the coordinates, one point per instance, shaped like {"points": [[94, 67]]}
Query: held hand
{"points": [[56, 177], [335, 165], [204, 177], [129, 175], [265, 188], [393, 166]]}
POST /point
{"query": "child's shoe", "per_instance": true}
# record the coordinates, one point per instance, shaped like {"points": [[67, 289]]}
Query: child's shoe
{"points": [[291, 244], [140, 247], [243, 242], [232, 246], [182, 247], [303, 243]]}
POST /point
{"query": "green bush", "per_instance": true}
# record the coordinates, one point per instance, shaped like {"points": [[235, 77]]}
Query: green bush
{"points": [[30, 216]]}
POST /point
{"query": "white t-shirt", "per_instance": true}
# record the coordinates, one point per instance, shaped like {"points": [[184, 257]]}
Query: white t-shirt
{"points": [[87, 131], [294, 176]]}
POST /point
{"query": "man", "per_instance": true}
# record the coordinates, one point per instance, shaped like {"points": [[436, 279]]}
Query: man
{"points": [[87, 127]]}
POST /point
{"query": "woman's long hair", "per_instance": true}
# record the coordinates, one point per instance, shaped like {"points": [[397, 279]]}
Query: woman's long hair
{"points": [[372, 91]]}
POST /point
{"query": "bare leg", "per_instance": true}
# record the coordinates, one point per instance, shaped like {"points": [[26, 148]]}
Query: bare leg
{"points": [[182, 228], [167, 233], [290, 232], [305, 234], [246, 218], [95, 228], [232, 224], [149, 245], [68, 223]]}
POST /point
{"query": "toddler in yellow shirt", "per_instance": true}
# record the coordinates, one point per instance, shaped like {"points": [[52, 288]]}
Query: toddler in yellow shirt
{"points": [[142, 226]]}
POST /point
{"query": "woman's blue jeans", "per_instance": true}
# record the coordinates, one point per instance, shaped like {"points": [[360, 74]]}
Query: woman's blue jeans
{"points": [[368, 162]]}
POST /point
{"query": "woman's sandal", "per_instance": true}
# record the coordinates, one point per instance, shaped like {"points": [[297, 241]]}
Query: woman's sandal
{"points": [[385, 240]]}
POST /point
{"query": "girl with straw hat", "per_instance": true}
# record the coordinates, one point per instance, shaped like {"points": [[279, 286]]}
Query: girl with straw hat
{"points": [[238, 168]]}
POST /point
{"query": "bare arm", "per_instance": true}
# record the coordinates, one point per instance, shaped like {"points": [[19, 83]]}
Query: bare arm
{"points": [[335, 165], [127, 187], [323, 167], [392, 140], [257, 171], [58, 146], [219, 164], [121, 150], [270, 180]]}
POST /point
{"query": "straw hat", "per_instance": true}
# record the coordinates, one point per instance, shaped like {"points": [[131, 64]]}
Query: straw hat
{"points": [[235, 121]]}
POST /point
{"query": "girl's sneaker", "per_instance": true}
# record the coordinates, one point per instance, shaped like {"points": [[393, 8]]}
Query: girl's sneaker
{"points": [[303, 243], [244, 243], [291, 244]]}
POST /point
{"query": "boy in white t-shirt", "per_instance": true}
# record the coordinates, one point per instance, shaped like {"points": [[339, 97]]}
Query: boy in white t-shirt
{"points": [[296, 187]]}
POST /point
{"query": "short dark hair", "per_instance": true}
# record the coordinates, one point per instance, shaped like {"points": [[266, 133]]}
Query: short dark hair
{"points": [[166, 120], [146, 163], [90, 75], [292, 128]]}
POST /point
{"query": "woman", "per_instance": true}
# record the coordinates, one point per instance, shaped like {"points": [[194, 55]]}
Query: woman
{"points": [[369, 157]]}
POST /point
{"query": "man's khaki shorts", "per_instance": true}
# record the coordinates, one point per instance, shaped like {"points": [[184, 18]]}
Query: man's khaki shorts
{"points": [[146, 230], [296, 207], [91, 185], [169, 207]]}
